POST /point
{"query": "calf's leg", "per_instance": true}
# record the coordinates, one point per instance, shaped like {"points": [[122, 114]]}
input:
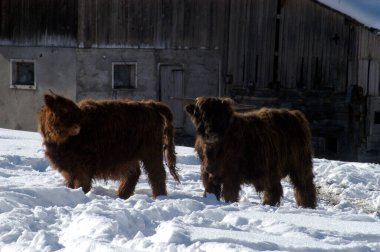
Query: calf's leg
{"points": [[211, 185], [75, 181], [155, 170], [273, 194], [304, 191], [231, 189], [129, 180]]}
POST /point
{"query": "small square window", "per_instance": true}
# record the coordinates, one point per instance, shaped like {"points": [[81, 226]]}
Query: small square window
{"points": [[23, 74], [124, 76]]}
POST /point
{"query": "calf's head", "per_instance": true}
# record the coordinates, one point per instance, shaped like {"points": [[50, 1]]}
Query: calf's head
{"points": [[58, 119], [211, 117]]}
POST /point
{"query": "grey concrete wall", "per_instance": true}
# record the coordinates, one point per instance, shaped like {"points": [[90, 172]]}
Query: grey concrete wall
{"points": [[55, 69], [94, 77], [95, 73], [87, 73]]}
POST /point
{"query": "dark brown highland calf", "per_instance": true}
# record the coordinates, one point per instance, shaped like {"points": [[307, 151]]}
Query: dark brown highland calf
{"points": [[259, 147], [107, 140]]}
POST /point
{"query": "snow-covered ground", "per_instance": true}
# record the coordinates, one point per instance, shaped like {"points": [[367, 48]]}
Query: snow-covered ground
{"points": [[38, 213]]}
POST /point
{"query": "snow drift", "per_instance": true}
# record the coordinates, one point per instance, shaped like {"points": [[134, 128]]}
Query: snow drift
{"points": [[38, 213]]}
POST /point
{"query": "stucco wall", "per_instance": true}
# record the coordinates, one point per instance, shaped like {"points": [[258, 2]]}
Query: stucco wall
{"points": [[55, 69], [201, 73], [87, 73], [95, 73]]}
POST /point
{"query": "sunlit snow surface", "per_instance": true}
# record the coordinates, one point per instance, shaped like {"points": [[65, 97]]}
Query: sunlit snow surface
{"points": [[38, 213]]}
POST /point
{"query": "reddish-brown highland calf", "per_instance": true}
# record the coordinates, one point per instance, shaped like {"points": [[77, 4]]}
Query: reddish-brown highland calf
{"points": [[108, 140], [259, 147]]}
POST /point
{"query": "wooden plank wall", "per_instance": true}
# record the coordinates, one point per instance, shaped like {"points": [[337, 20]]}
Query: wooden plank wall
{"points": [[369, 61], [368, 44], [251, 41], [316, 45], [261, 42], [169, 24], [175, 24], [318, 48], [38, 22], [368, 76]]}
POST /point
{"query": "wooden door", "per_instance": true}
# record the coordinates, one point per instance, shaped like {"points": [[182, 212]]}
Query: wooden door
{"points": [[172, 86]]}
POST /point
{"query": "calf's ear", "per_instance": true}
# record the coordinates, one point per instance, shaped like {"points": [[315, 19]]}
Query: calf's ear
{"points": [[49, 100], [190, 109], [227, 100], [74, 130]]}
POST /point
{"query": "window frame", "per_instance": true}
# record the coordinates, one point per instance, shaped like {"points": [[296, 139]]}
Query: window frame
{"points": [[14, 84], [134, 77]]}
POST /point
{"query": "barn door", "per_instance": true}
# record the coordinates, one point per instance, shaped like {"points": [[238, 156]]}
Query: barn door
{"points": [[171, 81]]}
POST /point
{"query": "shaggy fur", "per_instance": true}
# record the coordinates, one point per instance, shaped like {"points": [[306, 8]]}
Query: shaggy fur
{"points": [[107, 140], [258, 147]]}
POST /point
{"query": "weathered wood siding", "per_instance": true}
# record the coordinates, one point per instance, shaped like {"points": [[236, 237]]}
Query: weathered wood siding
{"points": [[368, 46], [369, 62], [177, 24], [316, 45], [38, 22], [251, 42], [292, 43], [295, 43]]}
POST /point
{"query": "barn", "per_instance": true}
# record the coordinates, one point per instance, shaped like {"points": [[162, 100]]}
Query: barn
{"points": [[306, 54]]}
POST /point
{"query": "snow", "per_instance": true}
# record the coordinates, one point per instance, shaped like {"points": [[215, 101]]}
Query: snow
{"points": [[38, 213], [366, 12]]}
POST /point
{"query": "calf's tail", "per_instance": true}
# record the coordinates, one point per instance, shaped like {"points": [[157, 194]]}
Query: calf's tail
{"points": [[168, 139]]}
